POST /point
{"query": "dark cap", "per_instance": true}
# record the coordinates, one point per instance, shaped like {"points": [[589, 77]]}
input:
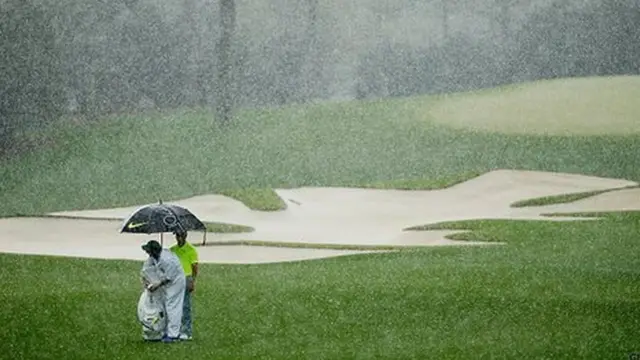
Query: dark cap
{"points": [[152, 246], [180, 231]]}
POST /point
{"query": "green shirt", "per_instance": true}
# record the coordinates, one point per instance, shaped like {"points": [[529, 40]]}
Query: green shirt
{"points": [[187, 255]]}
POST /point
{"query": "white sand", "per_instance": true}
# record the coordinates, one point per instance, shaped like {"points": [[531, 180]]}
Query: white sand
{"points": [[345, 216]]}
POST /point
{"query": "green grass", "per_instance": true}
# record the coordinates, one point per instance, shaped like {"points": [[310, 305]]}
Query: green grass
{"points": [[213, 227], [577, 106], [597, 214], [555, 291], [459, 225], [421, 184], [136, 159], [297, 245], [216, 227], [564, 198], [268, 199], [256, 199], [467, 226], [488, 229]]}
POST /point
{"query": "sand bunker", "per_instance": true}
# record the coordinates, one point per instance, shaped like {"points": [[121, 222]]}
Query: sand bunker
{"points": [[338, 216], [101, 240]]}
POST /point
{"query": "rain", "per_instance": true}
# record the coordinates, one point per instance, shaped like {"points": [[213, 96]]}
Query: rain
{"points": [[364, 178], [88, 59]]}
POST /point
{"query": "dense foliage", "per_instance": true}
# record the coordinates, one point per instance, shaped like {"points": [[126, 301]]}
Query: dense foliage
{"points": [[91, 58]]}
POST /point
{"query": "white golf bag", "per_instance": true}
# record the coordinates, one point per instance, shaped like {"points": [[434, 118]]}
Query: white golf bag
{"points": [[151, 312]]}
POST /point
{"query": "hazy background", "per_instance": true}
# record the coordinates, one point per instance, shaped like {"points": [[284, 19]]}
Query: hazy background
{"points": [[90, 58]]}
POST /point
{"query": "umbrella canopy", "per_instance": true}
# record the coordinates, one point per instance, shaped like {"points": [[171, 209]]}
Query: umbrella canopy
{"points": [[160, 218]]}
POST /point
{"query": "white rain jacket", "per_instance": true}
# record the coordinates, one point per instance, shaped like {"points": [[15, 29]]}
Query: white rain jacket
{"points": [[151, 311], [169, 297]]}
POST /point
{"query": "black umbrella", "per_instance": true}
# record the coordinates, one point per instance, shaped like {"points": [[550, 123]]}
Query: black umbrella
{"points": [[161, 218]]}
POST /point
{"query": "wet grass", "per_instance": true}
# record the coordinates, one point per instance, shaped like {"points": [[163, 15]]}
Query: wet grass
{"points": [[564, 198], [263, 199], [461, 225], [584, 106], [268, 200], [225, 228], [421, 184], [597, 214], [212, 227], [136, 159], [297, 245], [488, 230], [555, 290]]}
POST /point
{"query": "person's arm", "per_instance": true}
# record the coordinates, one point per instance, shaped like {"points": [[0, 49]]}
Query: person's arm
{"points": [[194, 269], [154, 287], [191, 285], [165, 279], [194, 264]]}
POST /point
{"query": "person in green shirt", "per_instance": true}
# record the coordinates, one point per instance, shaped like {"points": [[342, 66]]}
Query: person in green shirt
{"points": [[188, 256]]}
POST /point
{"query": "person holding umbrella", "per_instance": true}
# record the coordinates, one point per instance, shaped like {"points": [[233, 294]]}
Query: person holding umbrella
{"points": [[173, 284], [161, 218], [188, 256]]}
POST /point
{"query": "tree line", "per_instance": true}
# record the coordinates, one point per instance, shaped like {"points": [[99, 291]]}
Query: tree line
{"points": [[96, 57], [555, 41]]}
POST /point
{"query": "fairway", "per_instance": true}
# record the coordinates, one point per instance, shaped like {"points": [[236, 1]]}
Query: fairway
{"points": [[578, 106], [133, 159], [348, 230], [556, 290]]}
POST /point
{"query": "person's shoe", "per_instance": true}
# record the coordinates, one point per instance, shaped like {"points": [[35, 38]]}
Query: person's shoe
{"points": [[186, 337], [168, 340]]}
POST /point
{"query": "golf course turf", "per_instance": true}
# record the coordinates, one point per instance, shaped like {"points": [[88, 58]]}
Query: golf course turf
{"points": [[556, 290], [212, 227], [585, 106], [126, 160], [561, 199]]}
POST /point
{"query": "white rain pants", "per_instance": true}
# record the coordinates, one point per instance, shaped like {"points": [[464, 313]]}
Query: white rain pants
{"points": [[170, 295], [160, 311], [151, 312], [151, 315], [173, 299]]}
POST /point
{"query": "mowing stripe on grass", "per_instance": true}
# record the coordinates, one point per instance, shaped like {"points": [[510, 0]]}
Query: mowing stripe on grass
{"points": [[329, 246], [565, 198], [566, 291], [212, 227]]}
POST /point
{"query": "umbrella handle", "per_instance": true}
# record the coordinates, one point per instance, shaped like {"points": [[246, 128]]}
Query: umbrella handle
{"points": [[204, 237]]}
